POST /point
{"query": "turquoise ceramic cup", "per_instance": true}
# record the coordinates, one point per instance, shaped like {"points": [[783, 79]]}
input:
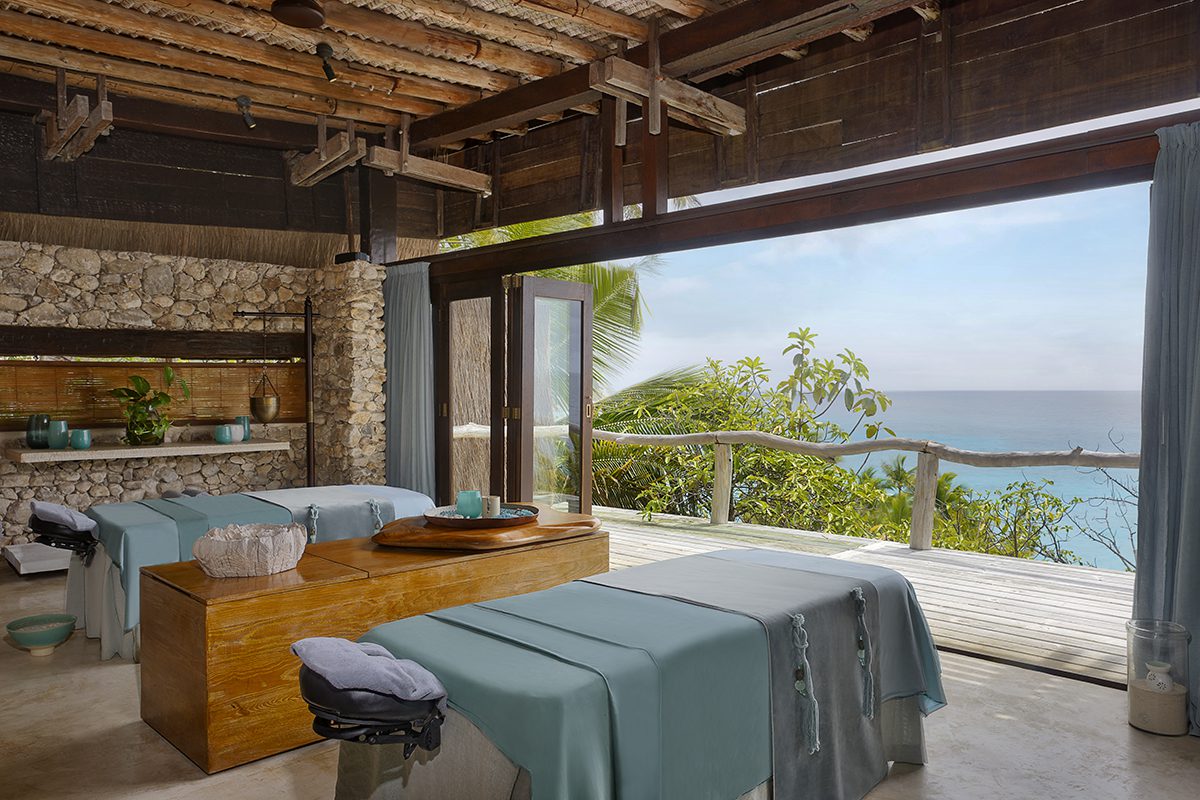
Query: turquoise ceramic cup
{"points": [[244, 421], [81, 439], [57, 434], [470, 503], [223, 434]]}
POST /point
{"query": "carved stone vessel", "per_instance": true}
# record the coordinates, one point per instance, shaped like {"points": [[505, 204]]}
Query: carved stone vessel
{"points": [[242, 551]]}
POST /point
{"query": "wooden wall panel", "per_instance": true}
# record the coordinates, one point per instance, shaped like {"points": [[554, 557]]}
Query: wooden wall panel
{"points": [[133, 175], [78, 391]]}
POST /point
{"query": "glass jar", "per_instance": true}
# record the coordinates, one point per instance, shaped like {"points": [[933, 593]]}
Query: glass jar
{"points": [[1158, 676]]}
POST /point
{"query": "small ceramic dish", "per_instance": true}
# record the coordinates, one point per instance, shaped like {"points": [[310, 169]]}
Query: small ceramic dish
{"points": [[41, 633]]}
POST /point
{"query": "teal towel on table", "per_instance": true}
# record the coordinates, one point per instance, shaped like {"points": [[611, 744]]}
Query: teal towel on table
{"points": [[135, 536], [196, 516], [515, 667]]}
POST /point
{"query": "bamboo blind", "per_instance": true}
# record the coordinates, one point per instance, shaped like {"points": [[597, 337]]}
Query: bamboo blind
{"points": [[79, 391]]}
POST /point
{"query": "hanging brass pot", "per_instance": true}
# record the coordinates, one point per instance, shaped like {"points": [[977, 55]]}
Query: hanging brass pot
{"points": [[264, 402]]}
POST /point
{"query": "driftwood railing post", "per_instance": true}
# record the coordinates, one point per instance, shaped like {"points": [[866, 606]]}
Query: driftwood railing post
{"points": [[920, 534], [722, 495]]}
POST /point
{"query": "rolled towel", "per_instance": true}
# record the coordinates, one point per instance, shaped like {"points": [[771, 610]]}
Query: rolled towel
{"points": [[368, 666], [69, 517]]}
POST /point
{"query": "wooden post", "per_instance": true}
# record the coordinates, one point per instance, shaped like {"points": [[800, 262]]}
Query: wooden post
{"points": [[722, 494], [612, 159], [920, 536]]}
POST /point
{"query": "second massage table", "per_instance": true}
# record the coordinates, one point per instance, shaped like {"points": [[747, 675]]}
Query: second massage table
{"points": [[736, 675]]}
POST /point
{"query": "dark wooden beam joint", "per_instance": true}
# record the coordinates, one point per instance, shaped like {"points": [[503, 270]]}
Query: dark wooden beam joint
{"points": [[73, 127], [330, 156], [655, 159]]}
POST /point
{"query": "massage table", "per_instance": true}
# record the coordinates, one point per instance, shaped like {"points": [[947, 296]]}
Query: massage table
{"points": [[736, 675], [103, 594]]}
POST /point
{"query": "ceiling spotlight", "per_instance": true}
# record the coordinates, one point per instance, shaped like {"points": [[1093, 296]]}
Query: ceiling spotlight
{"points": [[299, 13], [243, 104], [326, 53]]}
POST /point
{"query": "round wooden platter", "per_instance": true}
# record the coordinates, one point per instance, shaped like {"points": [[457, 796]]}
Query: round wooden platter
{"points": [[418, 534], [482, 523]]}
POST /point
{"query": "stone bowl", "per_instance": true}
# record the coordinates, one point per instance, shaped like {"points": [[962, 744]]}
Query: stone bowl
{"points": [[41, 633], [244, 551]]}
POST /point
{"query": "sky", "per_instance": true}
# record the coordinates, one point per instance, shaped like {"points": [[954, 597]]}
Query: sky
{"points": [[1043, 294]]}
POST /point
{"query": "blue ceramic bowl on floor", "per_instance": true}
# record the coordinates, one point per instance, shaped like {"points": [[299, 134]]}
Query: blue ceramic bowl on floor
{"points": [[41, 633]]}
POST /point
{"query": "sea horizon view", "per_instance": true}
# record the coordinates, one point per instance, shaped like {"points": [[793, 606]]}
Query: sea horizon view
{"points": [[1021, 420]]}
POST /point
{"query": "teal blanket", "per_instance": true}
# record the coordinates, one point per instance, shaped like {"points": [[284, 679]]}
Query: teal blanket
{"points": [[134, 536], [633, 691], [196, 516]]}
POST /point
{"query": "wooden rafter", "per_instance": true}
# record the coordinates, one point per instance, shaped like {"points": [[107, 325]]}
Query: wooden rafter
{"points": [[689, 8], [257, 25], [347, 101], [427, 170], [460, 16], [135, 72], [591, 16], [860, 33], [386, 29]]}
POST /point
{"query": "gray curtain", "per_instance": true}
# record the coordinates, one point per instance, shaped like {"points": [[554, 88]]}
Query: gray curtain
{"points": [[1168, 558], [408, 329]]}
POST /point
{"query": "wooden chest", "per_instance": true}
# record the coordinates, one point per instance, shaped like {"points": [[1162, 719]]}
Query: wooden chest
{"points": [[219, 680]]}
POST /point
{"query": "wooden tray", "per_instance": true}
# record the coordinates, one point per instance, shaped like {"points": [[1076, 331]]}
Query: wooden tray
{"points": [[483, 523], [418, 533]]}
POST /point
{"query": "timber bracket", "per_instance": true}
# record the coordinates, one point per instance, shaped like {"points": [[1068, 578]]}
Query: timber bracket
{"points": [[331, 156], [74, 126], [624, 80], [393, 160]]}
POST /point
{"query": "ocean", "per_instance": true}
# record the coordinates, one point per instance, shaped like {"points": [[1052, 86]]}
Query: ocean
{"points": [[1024, 420]]}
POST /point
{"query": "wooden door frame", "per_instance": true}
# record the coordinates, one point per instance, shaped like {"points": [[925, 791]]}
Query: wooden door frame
{"points": [[524, 289], [443, 295]]}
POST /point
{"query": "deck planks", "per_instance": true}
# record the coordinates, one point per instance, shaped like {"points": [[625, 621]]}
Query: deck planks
{"points": [[1066, 618]]}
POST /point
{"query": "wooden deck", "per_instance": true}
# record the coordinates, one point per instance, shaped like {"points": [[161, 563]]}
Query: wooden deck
{"points": [[1065, 618]]}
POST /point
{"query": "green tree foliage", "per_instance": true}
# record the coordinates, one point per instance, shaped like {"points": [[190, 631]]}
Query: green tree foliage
{"points": [[772, 487]]}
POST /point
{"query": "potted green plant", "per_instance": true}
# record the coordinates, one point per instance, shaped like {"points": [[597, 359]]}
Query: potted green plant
{"points": [[145, 408]]}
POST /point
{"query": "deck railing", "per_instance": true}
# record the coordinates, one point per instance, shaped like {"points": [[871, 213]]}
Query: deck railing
{"points": [[929, 456]]}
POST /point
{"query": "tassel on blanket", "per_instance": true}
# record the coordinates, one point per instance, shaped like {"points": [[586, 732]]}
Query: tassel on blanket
{"points": [[810, 720], [374, 506], [864, 654], [313, 514]]}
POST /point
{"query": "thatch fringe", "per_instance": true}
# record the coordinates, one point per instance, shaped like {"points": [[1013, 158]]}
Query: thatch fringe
{"points": [[289, 248]]}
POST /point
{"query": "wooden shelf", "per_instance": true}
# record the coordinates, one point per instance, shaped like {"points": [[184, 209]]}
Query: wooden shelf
{"points": [[108, 452]]}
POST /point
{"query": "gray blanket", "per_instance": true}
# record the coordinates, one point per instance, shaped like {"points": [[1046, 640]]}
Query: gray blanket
{"points": [[332, 512], [825, 679], [362, 665]]}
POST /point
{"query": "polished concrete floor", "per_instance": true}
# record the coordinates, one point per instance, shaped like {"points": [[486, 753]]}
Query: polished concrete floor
{"points": [[69, 727]]}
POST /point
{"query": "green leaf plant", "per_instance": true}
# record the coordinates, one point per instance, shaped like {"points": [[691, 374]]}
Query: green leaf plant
{"points": [[145, 408]]}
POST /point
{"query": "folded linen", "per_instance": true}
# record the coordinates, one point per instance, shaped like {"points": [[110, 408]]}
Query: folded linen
{"points": [[368, 666], [54, 512]]}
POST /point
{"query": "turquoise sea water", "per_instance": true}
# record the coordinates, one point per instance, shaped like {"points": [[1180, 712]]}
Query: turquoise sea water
{"points": [[1021, 420]]}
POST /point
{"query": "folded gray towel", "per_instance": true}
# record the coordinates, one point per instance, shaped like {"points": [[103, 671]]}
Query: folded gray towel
{"points": [[363, 665], [53, 512]]}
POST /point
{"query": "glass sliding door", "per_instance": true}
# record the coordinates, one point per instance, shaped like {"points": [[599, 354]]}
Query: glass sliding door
{"points": [[550, 393]]}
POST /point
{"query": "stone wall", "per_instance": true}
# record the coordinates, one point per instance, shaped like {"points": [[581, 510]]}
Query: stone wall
{"points": [[77, 287]]}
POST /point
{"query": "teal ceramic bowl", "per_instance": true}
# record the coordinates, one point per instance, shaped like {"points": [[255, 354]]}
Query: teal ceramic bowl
{"points": [[41, 633]]}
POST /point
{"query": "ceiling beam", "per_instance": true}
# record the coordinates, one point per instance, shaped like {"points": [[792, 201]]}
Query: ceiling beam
{"points": [[245, 22], [110, 17], [27, 90], [689, 8], [748, 29], [597, 19], [1088, 160], [460, 16], [120, 69], [386, 29]]}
